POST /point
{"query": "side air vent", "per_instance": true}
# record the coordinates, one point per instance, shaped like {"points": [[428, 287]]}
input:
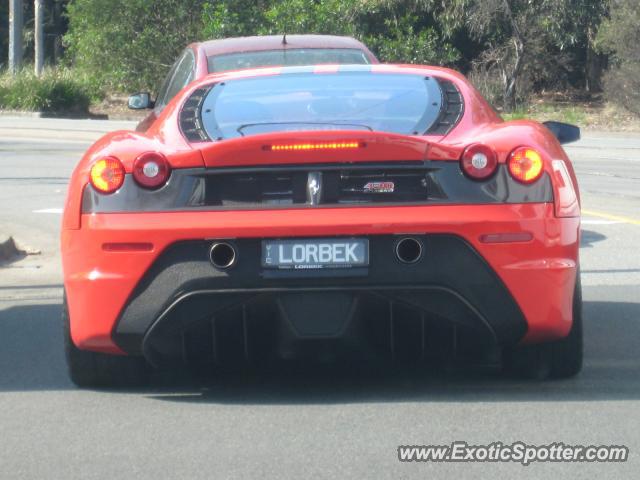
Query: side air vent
{"points": [[451, 111], [190, 118]]}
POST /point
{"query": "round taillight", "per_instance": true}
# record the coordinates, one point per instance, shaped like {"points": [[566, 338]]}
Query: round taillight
{"points": [[151, 170], [479, 161], [525, 165], [107, 174]]}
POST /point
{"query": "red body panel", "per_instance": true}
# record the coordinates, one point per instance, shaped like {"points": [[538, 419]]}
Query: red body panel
{"points": [[212, 48], [539, 274], [100, 282]]}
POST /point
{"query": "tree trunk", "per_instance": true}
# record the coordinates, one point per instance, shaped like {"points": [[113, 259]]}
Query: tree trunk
{"points": [[38, 11], [15, 35], [511, 84], [58, 30], [595, 65], [511, 81]]}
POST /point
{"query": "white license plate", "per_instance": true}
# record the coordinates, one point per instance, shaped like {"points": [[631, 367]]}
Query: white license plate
{"points": [[315, 253]]}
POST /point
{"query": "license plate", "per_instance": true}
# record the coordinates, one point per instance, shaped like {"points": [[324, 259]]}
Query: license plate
{"points": [[315, 254]]}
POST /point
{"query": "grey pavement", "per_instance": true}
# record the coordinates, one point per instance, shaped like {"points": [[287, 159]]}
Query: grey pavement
{"points": [[311, 424]]}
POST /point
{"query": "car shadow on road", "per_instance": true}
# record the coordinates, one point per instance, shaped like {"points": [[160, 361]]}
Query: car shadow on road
{"points": [[31, 359], [589, 237]]}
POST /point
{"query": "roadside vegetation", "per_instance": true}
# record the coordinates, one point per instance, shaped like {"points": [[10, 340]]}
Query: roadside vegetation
{"points": [[57, 90], [521, 54]]}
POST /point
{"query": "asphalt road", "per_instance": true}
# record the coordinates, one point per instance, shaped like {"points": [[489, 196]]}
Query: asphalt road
{"points": [[312, 424]]}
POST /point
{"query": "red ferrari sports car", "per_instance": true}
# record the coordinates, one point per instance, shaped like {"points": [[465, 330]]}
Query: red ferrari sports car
{"points": [[316, 212], [214, 56]]}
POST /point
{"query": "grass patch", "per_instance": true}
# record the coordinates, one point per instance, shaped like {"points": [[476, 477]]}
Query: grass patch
{"points": [[57, 90], [590, 112], [573, 114]]}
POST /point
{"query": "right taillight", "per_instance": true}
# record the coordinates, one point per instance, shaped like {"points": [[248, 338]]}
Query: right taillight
{"points": [[566, 201], [525, 164], [151, 170], [107, 174]]}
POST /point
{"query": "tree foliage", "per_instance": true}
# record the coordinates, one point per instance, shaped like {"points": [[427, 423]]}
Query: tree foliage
{"points": [[620, 36], [130, 43], [510, 47], [531, 44], [407, 31]]}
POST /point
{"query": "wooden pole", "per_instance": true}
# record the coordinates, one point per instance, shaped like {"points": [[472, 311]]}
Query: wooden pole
{"points": [[38, 9], [15, 35]]}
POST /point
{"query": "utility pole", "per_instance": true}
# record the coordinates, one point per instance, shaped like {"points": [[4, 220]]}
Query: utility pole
{"points": [[38, 10], [15, 35]]}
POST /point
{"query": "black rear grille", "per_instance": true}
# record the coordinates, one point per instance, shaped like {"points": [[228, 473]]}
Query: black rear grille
{"points": [[256, 188], [451, 110], [335, 186], [190, 118]]}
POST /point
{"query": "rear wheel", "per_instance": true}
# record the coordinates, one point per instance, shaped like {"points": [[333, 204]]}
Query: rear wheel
{"points": [[91, 369], [559, 359]]}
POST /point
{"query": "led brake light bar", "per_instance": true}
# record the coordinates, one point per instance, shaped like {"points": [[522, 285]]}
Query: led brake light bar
{"points": [[289, 147]]}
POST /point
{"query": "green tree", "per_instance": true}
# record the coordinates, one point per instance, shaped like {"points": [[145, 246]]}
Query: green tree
{"points": [[620, 36], [530, 44], [572, 27], [130, 44], [408, 31]]}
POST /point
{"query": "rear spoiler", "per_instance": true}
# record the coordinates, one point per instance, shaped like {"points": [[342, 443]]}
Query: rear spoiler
{"points": [[564, 132], [321, 147]]}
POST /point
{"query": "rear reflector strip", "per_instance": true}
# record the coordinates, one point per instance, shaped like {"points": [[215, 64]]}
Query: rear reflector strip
{"points": [[507, 237], [566, 199], [127, 247], [314, 146]]}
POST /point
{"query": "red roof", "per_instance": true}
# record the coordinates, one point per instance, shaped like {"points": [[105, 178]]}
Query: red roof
{"points": [[275, 42]]}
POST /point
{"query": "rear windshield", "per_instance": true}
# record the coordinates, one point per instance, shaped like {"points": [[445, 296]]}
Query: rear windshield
{"points": [[288, 57], [397, 103]]}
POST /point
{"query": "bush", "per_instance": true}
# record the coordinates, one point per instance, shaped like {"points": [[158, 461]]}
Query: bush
{"points": [[489, 80], [402, 31], [620, 36], [622, 86], [55, 91], [130, 44]]}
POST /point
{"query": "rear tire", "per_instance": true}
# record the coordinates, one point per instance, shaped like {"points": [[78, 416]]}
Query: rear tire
{"points": [[559, 359], [93, 370]]}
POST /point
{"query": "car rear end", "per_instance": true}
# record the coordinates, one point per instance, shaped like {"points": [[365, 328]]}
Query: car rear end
{"points": [[354, 229]]}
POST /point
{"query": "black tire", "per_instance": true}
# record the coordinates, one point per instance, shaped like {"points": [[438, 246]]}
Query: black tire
{"points": [[98, 370], [568, 352], [559, 359]]}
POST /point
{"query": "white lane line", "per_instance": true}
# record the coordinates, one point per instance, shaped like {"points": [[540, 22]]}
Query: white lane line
{"points": [[600, 222], [49, 210]]}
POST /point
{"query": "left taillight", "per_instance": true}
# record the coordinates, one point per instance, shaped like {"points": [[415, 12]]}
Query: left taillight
{"points": [[479, 161], [151, 170], [107, 174]]}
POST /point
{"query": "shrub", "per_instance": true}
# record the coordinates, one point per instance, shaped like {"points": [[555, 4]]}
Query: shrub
{"points": [[622, 86], [620, 36], [402, 31], [490, 81], [55, 91], [130, 44]]}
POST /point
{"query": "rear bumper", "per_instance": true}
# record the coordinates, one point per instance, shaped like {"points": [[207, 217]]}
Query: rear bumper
{"points": [[522, 291]]}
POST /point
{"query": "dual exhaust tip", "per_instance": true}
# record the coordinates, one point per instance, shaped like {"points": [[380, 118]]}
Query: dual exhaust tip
{"points": [[409, 250], [223, 255]]}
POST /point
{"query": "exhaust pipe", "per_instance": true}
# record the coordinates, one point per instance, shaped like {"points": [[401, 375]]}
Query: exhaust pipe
{"points": [[409, 250], [222, 255]]}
